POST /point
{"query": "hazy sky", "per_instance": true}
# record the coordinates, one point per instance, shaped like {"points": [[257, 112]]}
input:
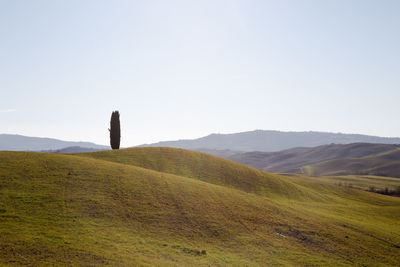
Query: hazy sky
{"points": [[184, 69]]}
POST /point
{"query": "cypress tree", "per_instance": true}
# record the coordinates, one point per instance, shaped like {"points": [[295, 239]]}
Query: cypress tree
{"points": [[115, 130]]}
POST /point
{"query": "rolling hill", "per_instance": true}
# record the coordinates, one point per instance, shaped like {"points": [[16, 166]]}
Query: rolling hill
{"points": [[271, 141], [382, 164], [165, 206], [71, 149], [378, 184], [14, 142], [292, 160]]}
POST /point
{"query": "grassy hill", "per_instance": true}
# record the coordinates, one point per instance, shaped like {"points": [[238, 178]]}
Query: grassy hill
{"points": [[362, 182], [206, 168], [382, 164], [292, 160], [163, 206]]}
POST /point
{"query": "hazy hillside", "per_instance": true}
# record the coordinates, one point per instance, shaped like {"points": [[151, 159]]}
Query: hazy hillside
{"points": [[291, 160], [383, 164], [14, 142], [171, 207], [270, 141], [72, 149]]}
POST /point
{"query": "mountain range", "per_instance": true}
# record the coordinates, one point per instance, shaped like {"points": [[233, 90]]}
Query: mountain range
{"points": [[15, 142], [272, 141], [219, 144]]}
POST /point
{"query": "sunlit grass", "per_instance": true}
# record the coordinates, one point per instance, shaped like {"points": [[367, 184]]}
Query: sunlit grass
{"points": [[154, 206]]}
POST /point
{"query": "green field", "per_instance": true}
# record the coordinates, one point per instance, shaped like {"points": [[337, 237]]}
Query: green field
{"points": [[173, 207], [362, 182]]}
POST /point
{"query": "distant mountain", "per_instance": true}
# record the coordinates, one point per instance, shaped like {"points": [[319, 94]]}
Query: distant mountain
{"points": [[292, 160], [383, 164], [270, 141], [25, 143], [72, 149]]}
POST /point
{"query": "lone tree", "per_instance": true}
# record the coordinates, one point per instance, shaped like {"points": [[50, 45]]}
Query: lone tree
{"points": [[115, 130]]}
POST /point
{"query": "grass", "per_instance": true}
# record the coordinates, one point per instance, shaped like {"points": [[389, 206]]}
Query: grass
{"points": [[161, 206], [362, 182]]}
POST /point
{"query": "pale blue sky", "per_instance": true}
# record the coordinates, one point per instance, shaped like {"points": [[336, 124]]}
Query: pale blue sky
{"points": [[184, 69]]}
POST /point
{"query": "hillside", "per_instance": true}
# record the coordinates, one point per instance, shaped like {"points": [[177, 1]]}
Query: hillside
{"points": [[272, 141], [72, 149], [291, 160], [163, 206], [383, 164], [223, 153], [14, 142], [361, 182], [203, 167]]}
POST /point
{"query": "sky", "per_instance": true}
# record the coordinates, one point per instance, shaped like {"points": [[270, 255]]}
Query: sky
{"points": [[186, 69]]}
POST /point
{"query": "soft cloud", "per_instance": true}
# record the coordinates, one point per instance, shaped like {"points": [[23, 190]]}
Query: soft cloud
{"points": [[7, 110]]}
